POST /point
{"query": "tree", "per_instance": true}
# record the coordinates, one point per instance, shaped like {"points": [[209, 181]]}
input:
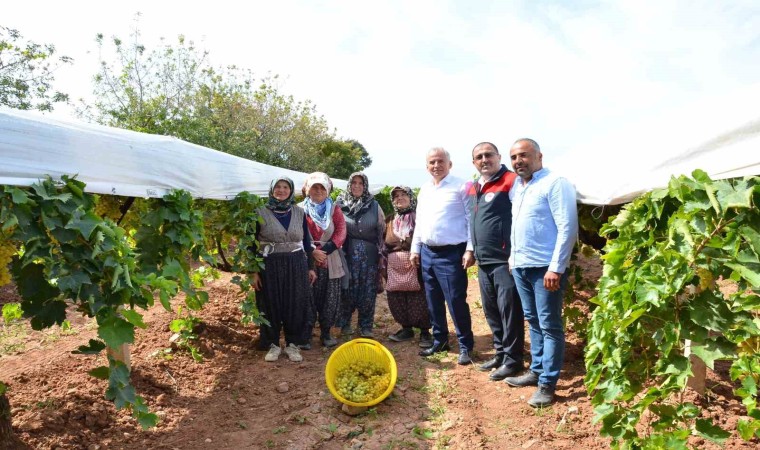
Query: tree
{"points": [[342, 158], [173, 90], [26, 72]]}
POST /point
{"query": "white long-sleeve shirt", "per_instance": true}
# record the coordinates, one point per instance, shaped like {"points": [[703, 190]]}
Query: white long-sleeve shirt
{"points": [[443, 214]]}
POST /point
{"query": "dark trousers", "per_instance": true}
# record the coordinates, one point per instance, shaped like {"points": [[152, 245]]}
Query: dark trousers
{"points": [[504, 313], [446, 285]]}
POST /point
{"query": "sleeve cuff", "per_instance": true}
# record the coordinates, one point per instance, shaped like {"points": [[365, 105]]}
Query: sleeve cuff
{"points": [[329, 247]]}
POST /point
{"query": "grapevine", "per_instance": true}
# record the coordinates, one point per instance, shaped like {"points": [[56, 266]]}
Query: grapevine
{"points": [[7, 250], [660, 288], [362, 381]]}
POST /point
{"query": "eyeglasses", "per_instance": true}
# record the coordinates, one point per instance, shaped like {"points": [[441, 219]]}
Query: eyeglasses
{"points": [[486, 155]]}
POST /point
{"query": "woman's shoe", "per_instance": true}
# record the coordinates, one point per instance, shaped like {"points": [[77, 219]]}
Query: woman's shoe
{"points": [[273, 354], [404, 334], [294, 354], [366, 333], [426, 340]]}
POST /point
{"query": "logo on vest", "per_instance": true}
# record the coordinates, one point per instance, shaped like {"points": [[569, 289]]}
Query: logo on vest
{"points": [[490, 196]]}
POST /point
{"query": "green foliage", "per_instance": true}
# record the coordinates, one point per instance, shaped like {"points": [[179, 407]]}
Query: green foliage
{"points": [[26, 72], [170, 235], [184, 327], [243, 217], [73, 255], [660, 288], [384, 200], [173, 90], [12, 312]]}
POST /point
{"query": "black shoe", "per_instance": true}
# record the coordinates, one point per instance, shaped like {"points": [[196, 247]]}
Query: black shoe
{"points": [[329, 342], [366, 332], [504, 371], [527, 379], [404, 334], [544, 396], [426, 339], [442, 347], [491, 363], [464, 357]]}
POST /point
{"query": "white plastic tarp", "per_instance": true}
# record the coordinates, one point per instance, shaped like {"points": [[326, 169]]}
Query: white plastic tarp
{"points": [[719, 135], [122, 162]]}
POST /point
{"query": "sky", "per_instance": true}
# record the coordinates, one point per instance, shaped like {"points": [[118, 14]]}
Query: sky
{"points": [[402, 77]]}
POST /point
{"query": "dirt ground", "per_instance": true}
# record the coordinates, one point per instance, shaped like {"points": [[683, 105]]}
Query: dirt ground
{"points": [[233, 399]]}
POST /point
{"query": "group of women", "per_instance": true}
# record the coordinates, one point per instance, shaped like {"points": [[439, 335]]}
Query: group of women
{"points": [[324, 259]]}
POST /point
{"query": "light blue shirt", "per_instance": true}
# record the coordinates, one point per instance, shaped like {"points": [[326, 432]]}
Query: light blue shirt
{"points": [[544, 222], [443, 214]]}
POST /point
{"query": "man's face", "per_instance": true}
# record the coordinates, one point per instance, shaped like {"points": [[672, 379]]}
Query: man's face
{"points": [[525, 159], [438, 165], [486, 160]]}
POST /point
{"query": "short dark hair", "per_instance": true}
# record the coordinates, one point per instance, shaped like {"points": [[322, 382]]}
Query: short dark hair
{"points": [[486, 143], [530, 141]]}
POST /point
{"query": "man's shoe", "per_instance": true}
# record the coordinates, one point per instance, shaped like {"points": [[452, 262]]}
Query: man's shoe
{"points": [[442, 347], [366, 333], [306, 346], [527, 379], [544, 396], [464, 357], [426, 340], [491, 363], [502, 372], [402, 335], [347, 330]]}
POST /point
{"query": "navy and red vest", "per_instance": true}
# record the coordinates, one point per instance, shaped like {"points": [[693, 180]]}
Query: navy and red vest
{"points": [[491, 217]]}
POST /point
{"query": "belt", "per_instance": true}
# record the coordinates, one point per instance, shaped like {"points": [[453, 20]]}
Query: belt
{"points": [[268, 248], [442, 248]]}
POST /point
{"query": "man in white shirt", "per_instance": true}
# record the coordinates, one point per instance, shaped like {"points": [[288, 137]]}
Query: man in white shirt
{"points": [[442, 246]]}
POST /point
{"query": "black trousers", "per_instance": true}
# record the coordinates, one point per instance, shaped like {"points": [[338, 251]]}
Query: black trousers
{"points": [[503, 311]]}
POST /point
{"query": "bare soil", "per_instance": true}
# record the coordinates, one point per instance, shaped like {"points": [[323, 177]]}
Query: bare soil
{"points": [[233, 399]]}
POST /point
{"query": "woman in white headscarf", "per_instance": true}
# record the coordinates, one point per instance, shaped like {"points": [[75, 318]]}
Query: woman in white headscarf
{"points": [[328, 232]]}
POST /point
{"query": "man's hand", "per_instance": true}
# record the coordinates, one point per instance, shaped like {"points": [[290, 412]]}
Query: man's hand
{"points": [[256, 282], [551, 281], [468, 259], [414, 258], [319, 256], [312, 277]]}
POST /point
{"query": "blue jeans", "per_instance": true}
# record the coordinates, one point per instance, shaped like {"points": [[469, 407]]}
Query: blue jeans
{"points": [[446, 285], [543, 311]]}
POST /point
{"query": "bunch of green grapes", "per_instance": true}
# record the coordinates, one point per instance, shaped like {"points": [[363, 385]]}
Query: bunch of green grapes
{"points": [[108, 206], [362, 381], [7, 250]]}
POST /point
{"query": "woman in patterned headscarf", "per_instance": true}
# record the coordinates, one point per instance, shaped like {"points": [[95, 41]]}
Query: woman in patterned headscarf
{"points": [[406, 296], [283, 284], [328, 232], [365, 224]]}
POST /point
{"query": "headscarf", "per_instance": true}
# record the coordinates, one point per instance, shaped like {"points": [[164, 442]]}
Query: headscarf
{"points": [[355, 207], [277, 205], [404, 221], [319, 212]]}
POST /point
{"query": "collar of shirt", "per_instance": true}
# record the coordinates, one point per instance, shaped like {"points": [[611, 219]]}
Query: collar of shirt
{"points": [[537, 175]]}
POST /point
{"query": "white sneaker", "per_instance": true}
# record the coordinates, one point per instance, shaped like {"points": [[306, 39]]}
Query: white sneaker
{"points": [[273, 353], [293, 352]]}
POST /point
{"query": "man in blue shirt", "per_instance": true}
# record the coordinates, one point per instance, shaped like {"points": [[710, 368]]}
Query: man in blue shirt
{"points": [[544, 230]]}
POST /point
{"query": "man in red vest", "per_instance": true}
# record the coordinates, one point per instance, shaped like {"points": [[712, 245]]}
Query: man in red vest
{"points": [[490, 224]]}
